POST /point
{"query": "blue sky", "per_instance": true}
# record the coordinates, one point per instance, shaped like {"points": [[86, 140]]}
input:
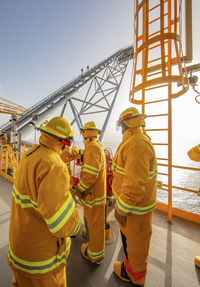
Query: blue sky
{"points": [[45, 43]]}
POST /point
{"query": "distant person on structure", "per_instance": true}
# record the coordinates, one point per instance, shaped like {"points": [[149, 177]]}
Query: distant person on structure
{"points": [[92, 193], [43, 213], [134, 170], [194, 154]]}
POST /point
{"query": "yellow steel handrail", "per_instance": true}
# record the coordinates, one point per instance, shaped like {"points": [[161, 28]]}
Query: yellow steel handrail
{"points": [[9, 160], [26, 146]]}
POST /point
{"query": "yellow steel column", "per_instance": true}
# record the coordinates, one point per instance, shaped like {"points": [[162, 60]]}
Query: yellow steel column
{"points": [[169, 120], [169, 154]]}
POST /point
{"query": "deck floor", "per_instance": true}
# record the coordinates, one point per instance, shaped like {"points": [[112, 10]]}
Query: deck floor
{"points": [[171, 258]]}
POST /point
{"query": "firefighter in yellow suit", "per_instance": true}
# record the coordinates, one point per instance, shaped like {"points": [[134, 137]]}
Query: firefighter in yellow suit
{"points": [[194, 154], [134, 170], [92, 192], [43, 213]]}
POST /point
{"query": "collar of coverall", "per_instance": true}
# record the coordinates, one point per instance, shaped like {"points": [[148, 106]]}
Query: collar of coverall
{"points": [[51, 142], [128, 133], [88, 140]]}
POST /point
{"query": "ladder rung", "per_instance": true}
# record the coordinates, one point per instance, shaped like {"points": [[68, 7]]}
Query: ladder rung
{"points": [[153, 8], [158, 32], [186, 167], [181, 188], [160, 158], [154, 74], [157, 87], [158, 45], [158, 101], [161, 173], [156, 6], [157, 59], [156, 19], [155, 130], [160, 115], [162, 164], [139, 37]]}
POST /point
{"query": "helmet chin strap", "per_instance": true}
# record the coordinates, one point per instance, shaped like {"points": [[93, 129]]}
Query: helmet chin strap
{"points": [[64, 143], [124, 127]]}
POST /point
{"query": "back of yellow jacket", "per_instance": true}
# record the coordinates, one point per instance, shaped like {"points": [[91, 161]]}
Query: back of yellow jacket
{"points": [[134, 170], [93, 175], [43, 213]]}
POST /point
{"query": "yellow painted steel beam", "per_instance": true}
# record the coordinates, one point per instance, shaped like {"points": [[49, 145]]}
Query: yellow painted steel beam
{"points": [[7, 176], [10, 112], [179, 213]]}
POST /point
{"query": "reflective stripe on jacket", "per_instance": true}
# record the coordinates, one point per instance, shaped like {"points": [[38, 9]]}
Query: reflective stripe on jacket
{"points": [[134, 170], [41, 267], [57, 221], [96, 201], [43, 212]]}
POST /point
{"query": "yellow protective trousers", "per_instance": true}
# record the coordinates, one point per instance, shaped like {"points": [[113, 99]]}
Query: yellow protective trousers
{"points": [[95, 227], [136, 240], [55, 279]]}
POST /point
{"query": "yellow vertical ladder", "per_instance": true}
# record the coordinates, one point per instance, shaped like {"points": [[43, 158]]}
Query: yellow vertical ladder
{"points": [[157, 48]]}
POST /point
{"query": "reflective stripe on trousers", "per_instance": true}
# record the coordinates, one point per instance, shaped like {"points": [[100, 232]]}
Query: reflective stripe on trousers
{"points": [[55, 279]]}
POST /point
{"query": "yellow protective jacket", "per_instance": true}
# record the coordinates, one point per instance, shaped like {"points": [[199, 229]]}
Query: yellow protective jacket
{"points": [[93, 175], [194, 153], [134, 170], [93, 184], [43, 213]]}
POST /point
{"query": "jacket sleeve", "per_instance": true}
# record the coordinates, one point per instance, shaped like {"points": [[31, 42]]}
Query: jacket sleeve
{"points": [[137, 165], [91, 168], [55, 202], [68, 155], [67, 163], [194, 153]]}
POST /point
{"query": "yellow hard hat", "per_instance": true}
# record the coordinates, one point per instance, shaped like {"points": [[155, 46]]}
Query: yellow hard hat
{"points": [[90, 130], [131, 118], [58, 127], [90, 126]]}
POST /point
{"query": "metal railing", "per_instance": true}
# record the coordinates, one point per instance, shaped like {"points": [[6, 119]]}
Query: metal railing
{"points": [[9, 160]]}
